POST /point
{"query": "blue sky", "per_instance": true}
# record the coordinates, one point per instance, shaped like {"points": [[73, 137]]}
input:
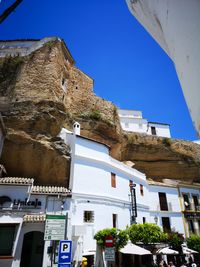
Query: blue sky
{"points": [[128, 67]]}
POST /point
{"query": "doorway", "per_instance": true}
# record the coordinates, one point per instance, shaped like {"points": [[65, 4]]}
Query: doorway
{"points": [[32, 249]]}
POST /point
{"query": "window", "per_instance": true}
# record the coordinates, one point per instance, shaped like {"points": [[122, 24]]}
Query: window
{"points": [[114, 218], [140, 126], [7, 236], [163, 201], [143, 219], [153, 130], [113, 179], [191, 227], [141, 190], [88, 216], [186, 201], [166, 224], [196, 202], [126, 124]]}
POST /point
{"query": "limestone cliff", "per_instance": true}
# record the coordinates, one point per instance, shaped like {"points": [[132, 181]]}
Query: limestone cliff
{"points": [[45, 92]]}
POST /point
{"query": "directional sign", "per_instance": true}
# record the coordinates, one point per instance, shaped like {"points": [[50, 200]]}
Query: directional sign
{"points": [[65, 253], [109, 254], [55, 227]]}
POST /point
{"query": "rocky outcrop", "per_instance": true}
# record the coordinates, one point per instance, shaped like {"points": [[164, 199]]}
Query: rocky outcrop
{"points": [[47, 92]]}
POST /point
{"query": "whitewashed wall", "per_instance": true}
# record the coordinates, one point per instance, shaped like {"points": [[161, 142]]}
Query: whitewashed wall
{"points": [[174, 209]]}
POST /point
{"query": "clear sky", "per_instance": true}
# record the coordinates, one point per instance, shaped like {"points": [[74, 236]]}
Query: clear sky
{"points": [[128, 67]]}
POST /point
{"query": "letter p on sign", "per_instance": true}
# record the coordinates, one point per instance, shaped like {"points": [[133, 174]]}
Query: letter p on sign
{"points": [[65, 248]]}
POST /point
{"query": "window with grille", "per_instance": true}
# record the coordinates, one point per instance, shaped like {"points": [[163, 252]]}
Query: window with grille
{"points": [[88, 216], [186, 201], [7, 236], [113, 179]]}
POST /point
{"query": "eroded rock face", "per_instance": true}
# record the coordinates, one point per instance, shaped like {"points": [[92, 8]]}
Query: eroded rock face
{"points": [[47, 92]]}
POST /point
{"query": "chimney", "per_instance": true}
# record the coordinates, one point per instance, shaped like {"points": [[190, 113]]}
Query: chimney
{"points": [[76, 128]]}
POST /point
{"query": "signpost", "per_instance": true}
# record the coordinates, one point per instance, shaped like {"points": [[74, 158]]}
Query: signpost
{"points": [[65, 253], [109, 241], [110, 254], [55, 227], [109, 248]]}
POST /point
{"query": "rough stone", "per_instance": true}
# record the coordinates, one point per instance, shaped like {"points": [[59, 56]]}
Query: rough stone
{"points": [[47, 92]]}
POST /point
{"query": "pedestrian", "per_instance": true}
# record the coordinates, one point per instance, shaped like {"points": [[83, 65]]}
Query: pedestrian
{"points": [[184, 264], [171, 264]]}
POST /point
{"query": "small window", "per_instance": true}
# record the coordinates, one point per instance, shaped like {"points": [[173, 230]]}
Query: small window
{"points": [[141, 190], [126, 124], [7, 236], [114, 217], [113, 180], [153, 130], [140, 126], [88, 216]]}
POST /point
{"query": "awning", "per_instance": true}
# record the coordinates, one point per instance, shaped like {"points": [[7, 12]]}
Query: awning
{"points": [[167, 251], [189, 251], [133, 249]]}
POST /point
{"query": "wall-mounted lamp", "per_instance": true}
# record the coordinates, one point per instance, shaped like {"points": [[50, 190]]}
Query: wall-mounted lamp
{"points": [[156, 219]]}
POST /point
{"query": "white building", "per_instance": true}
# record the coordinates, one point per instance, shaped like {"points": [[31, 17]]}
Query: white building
{"points": [[100, 192], [132, 121], [165, 209], [175, 27], [23, 211], [99, 196]]}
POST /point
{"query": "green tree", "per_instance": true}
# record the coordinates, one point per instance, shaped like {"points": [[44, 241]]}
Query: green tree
{"points": [[193, 242], [120, 237], [175, 240], [147, 233]]}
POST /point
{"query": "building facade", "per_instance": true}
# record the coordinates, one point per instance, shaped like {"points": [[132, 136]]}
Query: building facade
{"points": [[132, 121], [23, 211]]}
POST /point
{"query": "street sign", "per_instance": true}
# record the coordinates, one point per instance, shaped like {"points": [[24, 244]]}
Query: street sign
{"points": [[65, 253], [109, 254], [109, 241], [55, 227]]}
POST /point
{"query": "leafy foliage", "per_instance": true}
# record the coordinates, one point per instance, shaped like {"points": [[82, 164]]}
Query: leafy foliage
{"points": [[193, 242], [147, 233], [175, 240], [120, 237]]}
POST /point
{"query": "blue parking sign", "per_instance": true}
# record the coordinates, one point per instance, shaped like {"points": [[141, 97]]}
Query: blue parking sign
{"points": [[65, 253]]}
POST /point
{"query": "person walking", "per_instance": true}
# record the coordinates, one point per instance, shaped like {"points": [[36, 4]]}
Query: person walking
{"points": [[171, 264]]}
